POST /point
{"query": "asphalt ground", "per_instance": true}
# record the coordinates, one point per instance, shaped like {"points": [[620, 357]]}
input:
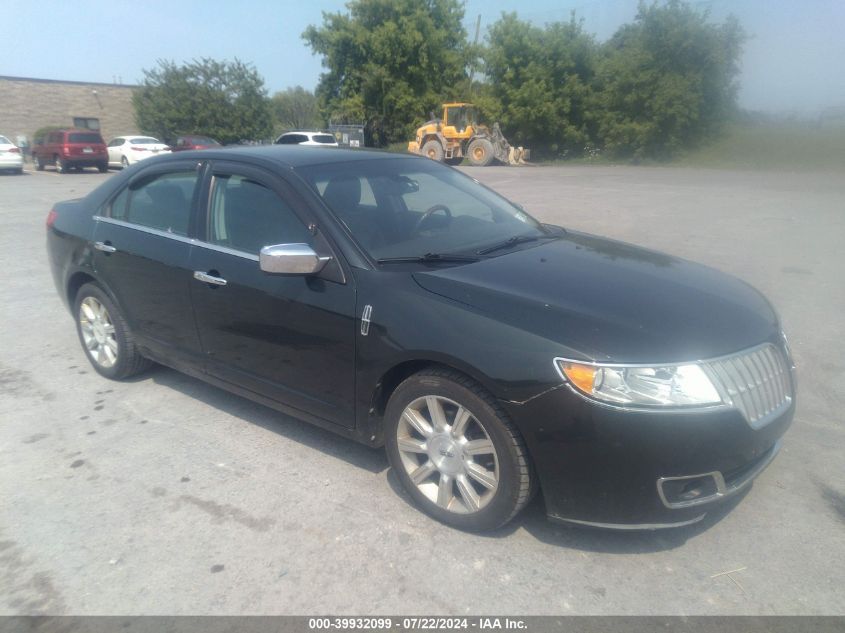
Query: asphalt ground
{"points": [[163, 495]]}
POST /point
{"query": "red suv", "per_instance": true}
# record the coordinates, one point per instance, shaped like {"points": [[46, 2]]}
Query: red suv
{"points": [[69, 149]]}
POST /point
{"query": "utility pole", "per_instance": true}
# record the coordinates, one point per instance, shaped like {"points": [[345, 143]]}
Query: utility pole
{"points": [[474, 46]]}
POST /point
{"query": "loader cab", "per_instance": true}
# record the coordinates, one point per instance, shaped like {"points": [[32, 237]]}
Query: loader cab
{"points": [[460, 119]]}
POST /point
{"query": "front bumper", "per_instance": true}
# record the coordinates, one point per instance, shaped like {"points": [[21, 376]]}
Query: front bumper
{"points": [[629, 469]]}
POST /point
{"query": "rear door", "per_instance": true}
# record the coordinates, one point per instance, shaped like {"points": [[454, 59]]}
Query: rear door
{"points": [[290, 338], [142, 253]]}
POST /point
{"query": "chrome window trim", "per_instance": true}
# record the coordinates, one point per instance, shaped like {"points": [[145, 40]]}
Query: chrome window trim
{"points": [[179, 238]]}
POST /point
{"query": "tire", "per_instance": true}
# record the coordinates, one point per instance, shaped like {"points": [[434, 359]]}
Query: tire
{"points": [[124, 162], [433, 150], [480, 152], [61, 166], [444, 463], [39, 166], [103, 167], [105, 336]]}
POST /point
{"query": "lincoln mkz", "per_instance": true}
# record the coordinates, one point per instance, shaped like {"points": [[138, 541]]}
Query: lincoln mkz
{"points": [[400, 303]]}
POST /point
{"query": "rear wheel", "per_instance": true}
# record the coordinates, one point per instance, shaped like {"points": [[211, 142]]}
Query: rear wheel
{"points": [[456, 452], [103, 167], [433, 150], [124, 162], [480, 152], [105, 336]]}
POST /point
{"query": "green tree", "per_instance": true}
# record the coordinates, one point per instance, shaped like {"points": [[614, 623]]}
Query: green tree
{"points": [[539, 83], [225, 100], [389, 62], [295, 109], [667, 81]]}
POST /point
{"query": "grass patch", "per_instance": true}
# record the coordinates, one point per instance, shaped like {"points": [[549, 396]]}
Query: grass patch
{"points": [[777, 146], [772, 146]]}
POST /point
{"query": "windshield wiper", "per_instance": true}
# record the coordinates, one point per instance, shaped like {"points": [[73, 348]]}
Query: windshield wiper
{"points": [[429, 257], [513, 241]]}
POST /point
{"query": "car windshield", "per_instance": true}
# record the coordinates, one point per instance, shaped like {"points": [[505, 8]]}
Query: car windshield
{"points": [[323, 138], [144, 140], [406, 208], [4, 141], [82, 137]]}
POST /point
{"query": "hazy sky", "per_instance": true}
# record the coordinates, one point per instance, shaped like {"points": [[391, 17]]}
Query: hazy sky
{"points": [[795, 61]]}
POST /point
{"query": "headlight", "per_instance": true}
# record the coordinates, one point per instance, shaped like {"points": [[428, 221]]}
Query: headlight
{"points": [[659, 386]]}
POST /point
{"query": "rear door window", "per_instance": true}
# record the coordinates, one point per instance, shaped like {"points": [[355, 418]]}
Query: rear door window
{"points": [[292, 139], [161, 202]]}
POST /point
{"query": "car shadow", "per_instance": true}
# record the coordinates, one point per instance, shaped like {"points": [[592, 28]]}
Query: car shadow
{"points": [[532, 519], [350, 451]]}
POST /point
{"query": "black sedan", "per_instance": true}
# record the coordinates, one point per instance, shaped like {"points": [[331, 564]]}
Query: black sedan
{"points": [[402, 304]]}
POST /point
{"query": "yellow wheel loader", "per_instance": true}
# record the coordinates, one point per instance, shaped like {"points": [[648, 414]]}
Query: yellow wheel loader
{"points": [[457, 136]]}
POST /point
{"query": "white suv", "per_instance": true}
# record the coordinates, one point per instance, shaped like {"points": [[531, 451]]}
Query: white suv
{"points": [[307, 138]]}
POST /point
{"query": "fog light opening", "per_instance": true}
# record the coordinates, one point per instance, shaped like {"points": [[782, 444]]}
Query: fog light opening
{"points": [[687, 490]]}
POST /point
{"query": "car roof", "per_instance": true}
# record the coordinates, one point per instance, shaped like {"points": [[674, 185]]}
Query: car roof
{"points": [[293, 155]]}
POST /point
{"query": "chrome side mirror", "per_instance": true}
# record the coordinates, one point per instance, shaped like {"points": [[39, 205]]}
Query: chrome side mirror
{"points": [[291, 259]]}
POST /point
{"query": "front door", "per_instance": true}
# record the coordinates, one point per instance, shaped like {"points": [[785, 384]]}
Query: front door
{"points": [[287, 337]]}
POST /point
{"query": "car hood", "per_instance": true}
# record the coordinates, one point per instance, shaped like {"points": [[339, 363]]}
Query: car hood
{"points": [[606, 300]]}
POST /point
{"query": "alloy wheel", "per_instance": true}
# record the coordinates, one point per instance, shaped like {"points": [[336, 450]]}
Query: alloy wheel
{"points": [[98, 333], [448, 454]]}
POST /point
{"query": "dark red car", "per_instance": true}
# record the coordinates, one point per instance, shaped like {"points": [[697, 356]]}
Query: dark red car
{"points": [[71, 149], [194, 142]]}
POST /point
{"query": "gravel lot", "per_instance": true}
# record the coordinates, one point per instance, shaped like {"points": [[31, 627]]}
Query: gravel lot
{"points": [[163, 495]]}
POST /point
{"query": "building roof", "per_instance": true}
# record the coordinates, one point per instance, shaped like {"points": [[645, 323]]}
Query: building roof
{"points": [[72, 83]]}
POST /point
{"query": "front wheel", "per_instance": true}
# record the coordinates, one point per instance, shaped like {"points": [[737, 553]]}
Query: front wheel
{"points": [[433, 150], [105, 336], [456, 452]]}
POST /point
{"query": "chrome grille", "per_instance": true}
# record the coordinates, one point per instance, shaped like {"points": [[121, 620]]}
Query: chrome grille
{"points": [[756, 382]]}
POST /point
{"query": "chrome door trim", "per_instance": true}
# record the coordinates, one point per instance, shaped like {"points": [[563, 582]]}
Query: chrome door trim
{"points": [[144, 229], [179, 238]]}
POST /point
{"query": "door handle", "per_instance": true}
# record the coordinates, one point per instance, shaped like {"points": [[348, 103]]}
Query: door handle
{"points": [[105, 247], [209, 279]]}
